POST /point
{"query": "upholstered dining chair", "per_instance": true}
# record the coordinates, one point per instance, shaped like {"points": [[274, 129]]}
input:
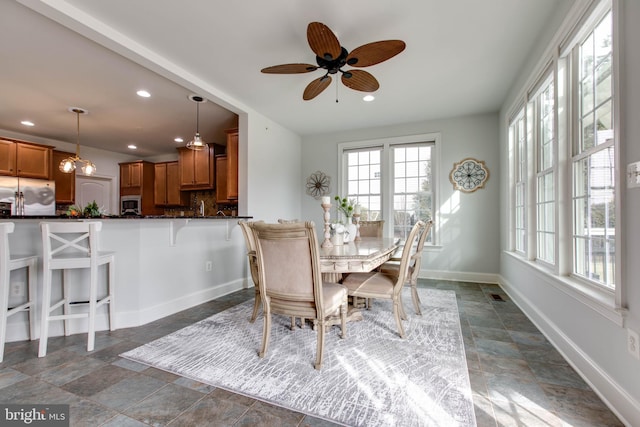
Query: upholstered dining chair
{"points": [[291, 283], [371, 228], [393, 265], [250, 241], [379, 285]]}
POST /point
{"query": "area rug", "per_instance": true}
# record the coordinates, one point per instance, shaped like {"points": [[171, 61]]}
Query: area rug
{"points": [[371, 378]]}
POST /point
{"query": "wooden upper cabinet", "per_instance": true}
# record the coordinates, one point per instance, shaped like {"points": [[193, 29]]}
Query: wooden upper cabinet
{"points": [[196, 168], [222, 196], [25, 159], [167, 185], [7, 157], [131, 175], [232, 164], [65, 182]]}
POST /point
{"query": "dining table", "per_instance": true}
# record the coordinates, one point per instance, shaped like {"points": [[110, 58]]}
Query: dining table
{"points": [[363, 255]]}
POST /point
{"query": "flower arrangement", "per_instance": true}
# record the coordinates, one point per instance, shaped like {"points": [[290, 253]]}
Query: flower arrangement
{"points": [[91, 210], [346, 206]]}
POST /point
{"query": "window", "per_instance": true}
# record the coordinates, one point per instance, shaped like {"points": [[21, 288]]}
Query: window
{"points": [[517, 138], [392, 181], [544, 107], [593, 160], [563, 153]]}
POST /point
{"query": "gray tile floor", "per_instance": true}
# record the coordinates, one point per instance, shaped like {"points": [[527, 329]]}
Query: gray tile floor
{"points": [[517, 377]]}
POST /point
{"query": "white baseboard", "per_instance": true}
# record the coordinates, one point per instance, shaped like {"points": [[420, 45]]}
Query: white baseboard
{"points": [[625, 406], [150, 314], [459, 276]]}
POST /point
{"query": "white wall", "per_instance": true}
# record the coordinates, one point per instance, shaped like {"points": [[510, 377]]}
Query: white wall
{"points": [[468, 226], [594, 345]]}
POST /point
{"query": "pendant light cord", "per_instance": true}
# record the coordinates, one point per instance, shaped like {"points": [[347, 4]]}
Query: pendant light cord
{"points": [[78, 135]]}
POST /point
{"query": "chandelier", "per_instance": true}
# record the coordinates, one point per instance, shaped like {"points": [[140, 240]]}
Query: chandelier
{"points": [[68, 165]]}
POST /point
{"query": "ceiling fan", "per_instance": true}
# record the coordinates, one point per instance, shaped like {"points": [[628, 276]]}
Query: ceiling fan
{"points": [[332, 57]]}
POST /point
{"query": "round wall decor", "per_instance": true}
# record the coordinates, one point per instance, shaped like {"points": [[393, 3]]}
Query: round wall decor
{"points": [[468, 175], [318, 185]]}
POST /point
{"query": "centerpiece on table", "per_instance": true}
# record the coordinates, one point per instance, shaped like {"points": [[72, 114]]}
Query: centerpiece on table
{"points": [[346, 207]]}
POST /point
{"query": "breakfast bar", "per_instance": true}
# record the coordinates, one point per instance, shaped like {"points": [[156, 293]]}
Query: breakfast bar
{"points": [[163, 265]]}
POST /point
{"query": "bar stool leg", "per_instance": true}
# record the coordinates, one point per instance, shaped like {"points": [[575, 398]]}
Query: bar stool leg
{"points": [[31, 292], [110, 287], [44, 321], [4, 306], [93, 295], [66, 308]]}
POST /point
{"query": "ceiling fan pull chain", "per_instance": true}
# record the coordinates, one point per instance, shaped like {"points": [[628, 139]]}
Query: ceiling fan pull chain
{"points": [[337, 90]]}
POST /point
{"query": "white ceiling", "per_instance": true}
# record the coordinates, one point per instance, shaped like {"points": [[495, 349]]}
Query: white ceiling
{"points": [[461, 58]]}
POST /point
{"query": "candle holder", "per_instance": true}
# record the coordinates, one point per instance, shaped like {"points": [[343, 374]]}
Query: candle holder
{"points": [[357, 218], [327, 226]]}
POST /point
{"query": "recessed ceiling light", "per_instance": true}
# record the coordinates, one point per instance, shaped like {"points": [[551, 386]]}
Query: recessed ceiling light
{"points": [[178, 139], [27, 123], [368, 98], [143, 93], [132, 147]]}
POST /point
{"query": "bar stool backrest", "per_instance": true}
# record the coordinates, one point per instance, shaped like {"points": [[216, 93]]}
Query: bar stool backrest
{"points": [[69, 240], [5, 229]]}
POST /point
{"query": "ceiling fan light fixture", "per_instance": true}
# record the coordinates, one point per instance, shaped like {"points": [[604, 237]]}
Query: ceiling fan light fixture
{"points": [[69, 164], [197, 143], [368, 98]]}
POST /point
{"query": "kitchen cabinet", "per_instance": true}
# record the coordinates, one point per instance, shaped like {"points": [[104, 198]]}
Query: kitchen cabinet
{"points": [[196, 168], [24, 159], [222, 196], [65, 182], [232, 164], [167, 185], [138, 179]]}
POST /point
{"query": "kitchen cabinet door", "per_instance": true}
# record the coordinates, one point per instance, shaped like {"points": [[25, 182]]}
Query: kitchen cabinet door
{"points": [[33, 161], [130, 175], [196, 169], [7, 157], [221, 179], [167, 185], [65, 182], [232, 164]]}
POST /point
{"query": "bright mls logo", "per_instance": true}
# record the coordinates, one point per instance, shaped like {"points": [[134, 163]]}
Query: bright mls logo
{"points": [[34, 415]]}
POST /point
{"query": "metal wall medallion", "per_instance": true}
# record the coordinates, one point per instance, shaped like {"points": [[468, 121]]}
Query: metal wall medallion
{"points": [[318, 185], [468, 175]]}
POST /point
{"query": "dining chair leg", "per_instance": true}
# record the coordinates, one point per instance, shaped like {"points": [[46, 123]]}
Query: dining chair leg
{"points": [[256, 307], [416, 299], [397, 309], [266, 332], [321, 331], [343, 319]]}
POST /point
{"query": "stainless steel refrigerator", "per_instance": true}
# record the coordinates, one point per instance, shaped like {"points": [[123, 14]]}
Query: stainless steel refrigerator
{"points": [[28, 197]]}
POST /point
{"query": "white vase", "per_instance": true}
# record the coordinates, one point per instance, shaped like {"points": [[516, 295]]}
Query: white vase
{"points": [[350, 235], [338, 239]]}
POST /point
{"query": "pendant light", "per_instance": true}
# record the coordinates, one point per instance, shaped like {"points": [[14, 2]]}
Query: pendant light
{"points": [[68, 165], [197, 143]]}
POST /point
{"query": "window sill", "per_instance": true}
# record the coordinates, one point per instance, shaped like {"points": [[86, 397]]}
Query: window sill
{"points": [[599, 300]]}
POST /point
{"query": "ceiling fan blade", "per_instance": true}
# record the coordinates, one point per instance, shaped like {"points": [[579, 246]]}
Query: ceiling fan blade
{"points": [[375, 53], [316, 87], [360, 80], [290, 69], [322, 41]]}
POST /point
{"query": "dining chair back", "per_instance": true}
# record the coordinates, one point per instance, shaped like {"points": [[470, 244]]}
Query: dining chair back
{"points": [[392, 266], [68, 246], [250, 241], [9, 263], [379, 285], [371, 228], [291, 282]]}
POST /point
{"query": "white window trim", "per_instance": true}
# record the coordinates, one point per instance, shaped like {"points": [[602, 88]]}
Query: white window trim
{"points": [[386, 170], [610, 304]]}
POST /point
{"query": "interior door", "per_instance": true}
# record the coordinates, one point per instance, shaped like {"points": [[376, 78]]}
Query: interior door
{"points": [[100, 189]]}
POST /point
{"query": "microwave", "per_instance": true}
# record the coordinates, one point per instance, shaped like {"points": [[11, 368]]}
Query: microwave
{"points": [[130, 205]]}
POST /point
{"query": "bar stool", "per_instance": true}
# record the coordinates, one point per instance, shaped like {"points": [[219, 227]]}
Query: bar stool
{"points": [[7, 265], [67, 246]]}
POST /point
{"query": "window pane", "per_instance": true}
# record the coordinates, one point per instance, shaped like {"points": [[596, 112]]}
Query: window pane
{"points": [[363, 181]]}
